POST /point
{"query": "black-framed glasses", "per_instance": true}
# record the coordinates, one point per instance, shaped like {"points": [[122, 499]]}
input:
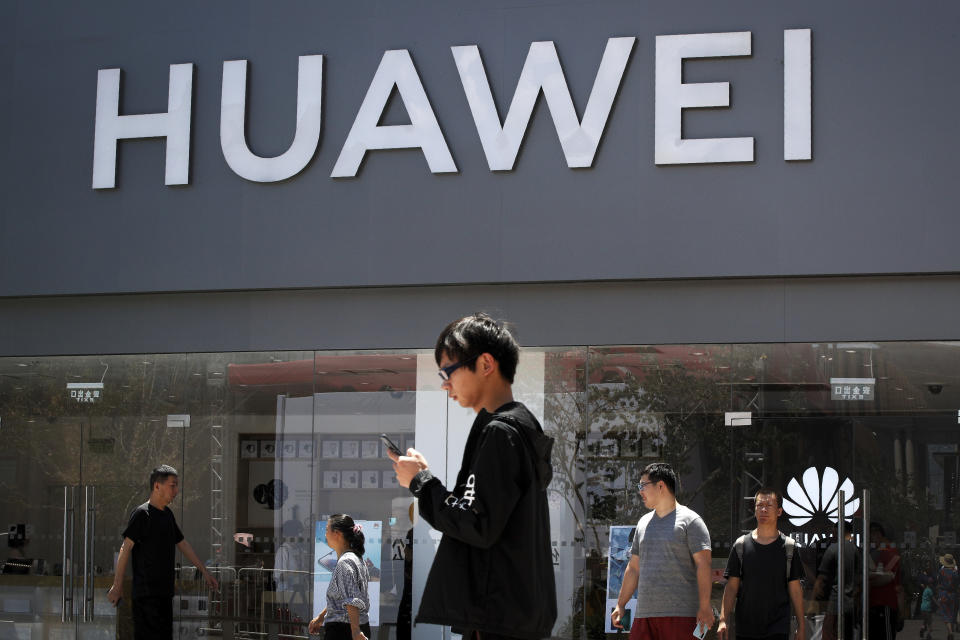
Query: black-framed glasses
{"points": [[447, 371], [646, 483]]}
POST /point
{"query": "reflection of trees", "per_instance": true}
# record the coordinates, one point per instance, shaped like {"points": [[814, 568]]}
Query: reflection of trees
{"points": [[613, 411], [123, 435]]}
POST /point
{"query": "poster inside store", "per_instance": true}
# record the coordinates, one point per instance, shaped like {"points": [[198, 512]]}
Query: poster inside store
{"points": [[621, 540]]}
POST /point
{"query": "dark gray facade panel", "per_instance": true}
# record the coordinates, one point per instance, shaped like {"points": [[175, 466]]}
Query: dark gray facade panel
{"points": [[714, 311], [878, 197]]}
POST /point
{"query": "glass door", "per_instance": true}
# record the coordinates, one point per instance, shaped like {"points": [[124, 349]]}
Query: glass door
{"points": [[39, 474], [140, 426]]}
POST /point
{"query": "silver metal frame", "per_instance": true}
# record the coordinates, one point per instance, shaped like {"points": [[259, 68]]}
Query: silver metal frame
{"points": [[865, 569], [89, 531], [66, 583], [841, 538]]}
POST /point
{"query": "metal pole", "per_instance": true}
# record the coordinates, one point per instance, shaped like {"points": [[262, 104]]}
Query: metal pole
{"points": [[63, 570], [865, 569], [86, 551], [841, 539]]}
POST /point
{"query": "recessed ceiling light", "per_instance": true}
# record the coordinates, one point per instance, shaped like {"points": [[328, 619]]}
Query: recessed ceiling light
{"points": [[851, 350], [23, 364]]}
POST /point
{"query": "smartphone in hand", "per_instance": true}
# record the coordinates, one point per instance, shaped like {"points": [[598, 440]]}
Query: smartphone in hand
{"points": [[389, 444], [700, 631]]}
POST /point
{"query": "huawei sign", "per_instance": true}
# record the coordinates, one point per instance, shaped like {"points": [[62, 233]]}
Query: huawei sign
{"points": [[499, 135], [817, 497]]}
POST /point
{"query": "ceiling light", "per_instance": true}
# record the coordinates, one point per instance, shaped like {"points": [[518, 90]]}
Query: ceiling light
{"points": [[23, 364], [851, 350], [697, 353], [146, 362]]}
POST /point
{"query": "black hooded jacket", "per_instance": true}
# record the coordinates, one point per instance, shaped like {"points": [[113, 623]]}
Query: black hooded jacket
{"points": [[493, 571]]}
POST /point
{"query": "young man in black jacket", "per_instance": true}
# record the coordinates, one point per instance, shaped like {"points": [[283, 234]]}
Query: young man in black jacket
{"points": [[492, 576]]}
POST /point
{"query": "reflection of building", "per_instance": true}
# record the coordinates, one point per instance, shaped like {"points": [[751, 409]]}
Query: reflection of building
{"points": [[275, 320]]}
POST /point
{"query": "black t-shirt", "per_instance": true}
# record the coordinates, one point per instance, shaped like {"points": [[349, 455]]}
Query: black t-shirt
{"points": [[763, 603], [155, 535]]}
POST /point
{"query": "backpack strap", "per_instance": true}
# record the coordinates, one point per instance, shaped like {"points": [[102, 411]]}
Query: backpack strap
{"points": [[738, 547], [789, 545]]}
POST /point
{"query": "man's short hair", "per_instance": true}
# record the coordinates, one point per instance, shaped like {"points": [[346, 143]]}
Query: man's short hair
{"points": [[161, 473], [769, 491], [473, 335], [662, 472]]}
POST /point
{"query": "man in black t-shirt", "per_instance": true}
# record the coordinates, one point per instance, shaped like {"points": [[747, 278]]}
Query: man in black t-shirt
{"points": [[152, 537], [763, 578]]}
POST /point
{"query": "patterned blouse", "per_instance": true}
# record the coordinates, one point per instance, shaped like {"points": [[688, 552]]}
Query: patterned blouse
{"points": [[348, 586]]}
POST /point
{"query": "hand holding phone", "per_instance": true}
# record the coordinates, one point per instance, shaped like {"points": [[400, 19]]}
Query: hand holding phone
{"points": [[700, 631], [390, 445]]}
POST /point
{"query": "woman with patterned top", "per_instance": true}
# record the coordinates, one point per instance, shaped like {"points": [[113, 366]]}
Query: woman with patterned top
{"points": [[948, 592], [346, 616]]}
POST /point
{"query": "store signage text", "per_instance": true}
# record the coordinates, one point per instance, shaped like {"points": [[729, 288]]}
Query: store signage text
{"points": [[85, 392], [500, 139], [852, 388]]}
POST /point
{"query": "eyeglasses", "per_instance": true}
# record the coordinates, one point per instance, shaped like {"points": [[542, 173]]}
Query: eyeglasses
{"points": [[766, 506], [447, 371], [645, 484]]}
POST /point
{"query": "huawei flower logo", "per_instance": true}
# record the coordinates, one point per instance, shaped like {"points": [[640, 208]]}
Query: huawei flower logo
{"points": [[817, 497]]}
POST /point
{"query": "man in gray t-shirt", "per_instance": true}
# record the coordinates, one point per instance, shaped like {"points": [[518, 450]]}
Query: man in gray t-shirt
{"points": [[669, 568]]}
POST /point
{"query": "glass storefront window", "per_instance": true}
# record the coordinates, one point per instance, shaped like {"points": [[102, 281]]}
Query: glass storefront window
{"points": [[269, 444]]}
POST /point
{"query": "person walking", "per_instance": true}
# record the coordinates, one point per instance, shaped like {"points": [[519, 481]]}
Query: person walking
{"points": [[669, 568], [492, 575], [948, 593], [152, 538], [763, 578], [347, 614]]}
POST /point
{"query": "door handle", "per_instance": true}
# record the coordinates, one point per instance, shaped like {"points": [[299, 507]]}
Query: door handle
{"points": [[89, 525], [66, 571]]}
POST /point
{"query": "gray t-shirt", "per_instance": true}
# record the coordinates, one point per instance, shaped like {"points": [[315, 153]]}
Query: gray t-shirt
{"points": [[667, 584]]}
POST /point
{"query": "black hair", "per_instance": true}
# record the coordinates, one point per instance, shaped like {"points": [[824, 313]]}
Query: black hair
{"points": [[769, 491], [161, 473], [473, 335], [662, 472], [351, 532]]}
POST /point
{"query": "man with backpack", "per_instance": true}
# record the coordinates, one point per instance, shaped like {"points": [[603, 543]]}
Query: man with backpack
{"points": [[763, 578]]}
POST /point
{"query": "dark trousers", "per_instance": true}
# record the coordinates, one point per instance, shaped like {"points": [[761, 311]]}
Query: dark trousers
{"points": [[484, 635], [883, 623], [153, 618], [341, 631]]}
